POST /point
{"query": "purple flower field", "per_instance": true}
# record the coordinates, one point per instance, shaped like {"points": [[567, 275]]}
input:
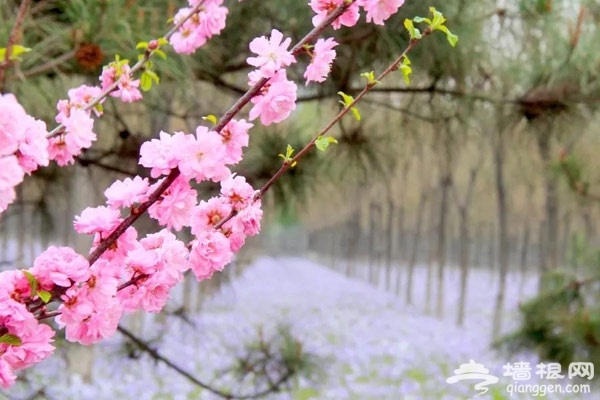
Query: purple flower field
{"points": [[370, 345]]}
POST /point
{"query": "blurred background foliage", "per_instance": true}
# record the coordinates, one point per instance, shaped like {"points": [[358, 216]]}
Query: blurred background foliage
{"points": [[463, 159]]}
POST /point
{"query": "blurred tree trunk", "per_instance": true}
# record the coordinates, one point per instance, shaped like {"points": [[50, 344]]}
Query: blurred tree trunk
{"points": [[389, 239], [502, 227], [445, 183], [415, 249], [550, 256], [464, 206], [523, 255]]}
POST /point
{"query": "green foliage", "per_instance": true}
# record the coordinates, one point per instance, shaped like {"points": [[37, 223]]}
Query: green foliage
{"points": [[562, 323], [347, 101], [406, 69], [15, 53], [281, 356], [10, 339], [323, 142]]}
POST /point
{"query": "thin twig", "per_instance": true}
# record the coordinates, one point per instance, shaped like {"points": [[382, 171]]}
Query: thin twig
{"points": [[12, 40]]}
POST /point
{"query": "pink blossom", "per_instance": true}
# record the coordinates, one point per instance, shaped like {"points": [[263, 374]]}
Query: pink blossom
{"points": [[160, 260], [324, 7], [201, 157], [272, 53], [11, 173], [102, 220], [209, 213], [276, 100], [237, 191], [194, 33], [78, 135], [127, 192], [380, 10], [60, 266], [235, 137], [250, 218], [210, 252], [127, 88], [161, 155], [35, 340], [175, 207], [11, 132], [322, 57], [33, 148]]}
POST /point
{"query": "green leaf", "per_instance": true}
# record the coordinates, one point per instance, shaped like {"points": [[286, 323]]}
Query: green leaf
{"points": [[406, 69], [161, 54], [452, 38], [210, 118], [370, 77], [418, 20], [10, 339], [33, 283], [162, 41], [15, 53], [145, 82], [288, 155], [322, 142], [410, 27], [346, 101], [147, 79], [141, 45], [438, 18], [44, 295]]}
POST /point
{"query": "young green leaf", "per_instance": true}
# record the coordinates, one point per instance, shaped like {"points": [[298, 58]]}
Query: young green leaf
{"points": [[44, 295], [438, 18], [322, 142], [406, 69], [33, 283], [9, 338], [161, 54], [370, 77], [346, 101], [288, 156], [141, 45], [452, 38], [15, 53], [210, 118], [412, 31]]}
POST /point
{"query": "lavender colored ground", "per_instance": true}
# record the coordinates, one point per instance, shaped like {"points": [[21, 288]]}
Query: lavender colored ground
{"points": [[372, 346]]}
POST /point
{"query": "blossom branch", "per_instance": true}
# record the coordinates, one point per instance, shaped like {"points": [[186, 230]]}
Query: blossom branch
{"points": [[224, 120], [274, 386], [12, 40], [136, 67]]}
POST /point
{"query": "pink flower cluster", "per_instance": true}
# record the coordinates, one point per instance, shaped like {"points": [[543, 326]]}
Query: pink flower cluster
{"points": [[55, 269], [277, 98], [138, 273], [23, 147], [377, 11], [127, 88], [196, 31]]}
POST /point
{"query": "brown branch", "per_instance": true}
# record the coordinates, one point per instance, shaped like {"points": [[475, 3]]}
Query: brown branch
{"points": [[12, 40], [274, 386]]}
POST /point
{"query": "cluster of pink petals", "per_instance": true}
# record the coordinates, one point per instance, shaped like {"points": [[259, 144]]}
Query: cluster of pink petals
{"points": [[380, 10], [272, 53], [23, 147], [323, 8], [127, 88], [79, 125], [323, 55], [35, 340], [197, 30], [377, 11], [277, 98]]}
